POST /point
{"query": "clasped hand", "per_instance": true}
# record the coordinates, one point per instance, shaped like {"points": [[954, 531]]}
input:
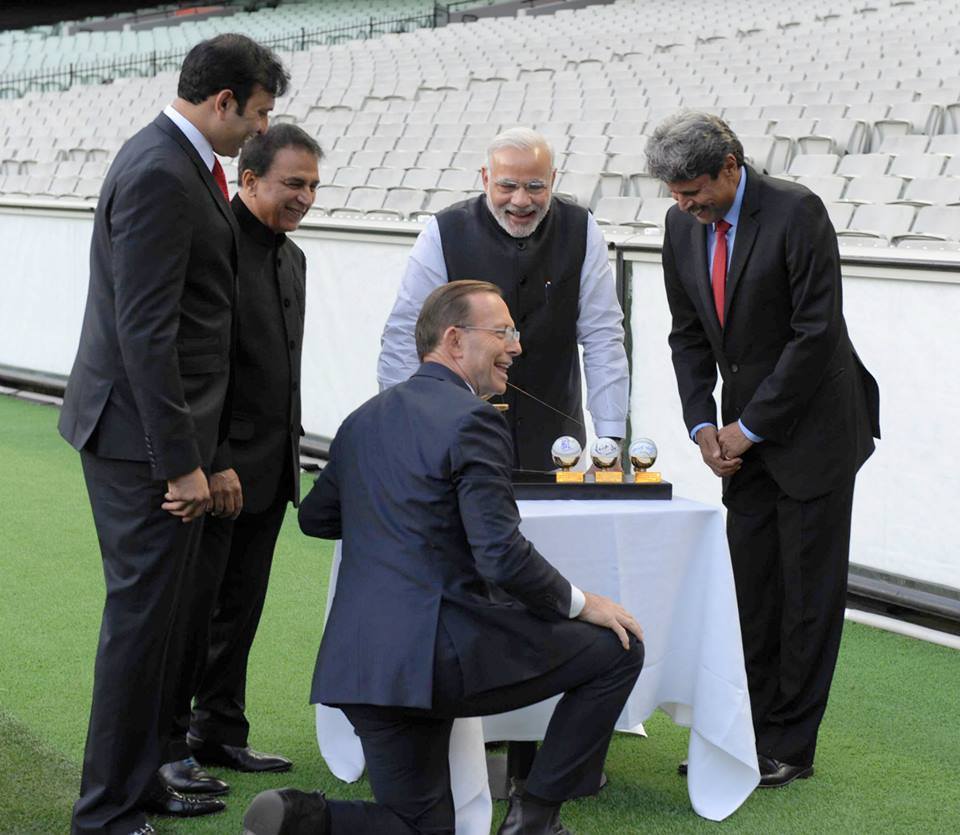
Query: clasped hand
{"points": [[190, 496], [187, 496], [722, 451]]}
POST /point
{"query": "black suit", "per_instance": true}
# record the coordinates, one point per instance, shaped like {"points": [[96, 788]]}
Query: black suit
{"points": [[144, 404], [418, 488], [792, 376], [230, 582]]}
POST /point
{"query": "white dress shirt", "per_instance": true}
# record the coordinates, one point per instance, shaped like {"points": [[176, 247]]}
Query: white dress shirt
{"points": [[189, 130], [599, 326]]}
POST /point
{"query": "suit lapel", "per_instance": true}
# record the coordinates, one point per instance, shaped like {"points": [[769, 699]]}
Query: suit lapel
{"points": [[168, 127], [748, 225], [697, 244]]}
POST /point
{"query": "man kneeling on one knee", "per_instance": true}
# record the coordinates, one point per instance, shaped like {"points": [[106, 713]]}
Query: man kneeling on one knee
{"points": [[418, 488]]}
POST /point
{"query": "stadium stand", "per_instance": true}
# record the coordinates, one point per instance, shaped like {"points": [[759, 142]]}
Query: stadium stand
{"points": [[860, 101]]}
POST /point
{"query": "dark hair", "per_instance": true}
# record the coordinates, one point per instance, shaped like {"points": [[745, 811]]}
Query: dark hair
{"points": [[689, 144], [258, 152], [230, 62], [448, 305]]}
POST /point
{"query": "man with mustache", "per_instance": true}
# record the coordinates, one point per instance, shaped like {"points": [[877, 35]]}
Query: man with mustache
{"points": [[549, 259], [753, 282], [256, 471]]}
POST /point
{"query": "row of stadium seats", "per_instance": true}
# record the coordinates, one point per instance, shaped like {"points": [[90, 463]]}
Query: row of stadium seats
{"points": [[901, 155], [405, 120], [23, 51], [898, 222]]}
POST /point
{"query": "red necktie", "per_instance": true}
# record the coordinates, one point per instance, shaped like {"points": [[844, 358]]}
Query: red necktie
{"points": [[718, 271], [221, 179]]}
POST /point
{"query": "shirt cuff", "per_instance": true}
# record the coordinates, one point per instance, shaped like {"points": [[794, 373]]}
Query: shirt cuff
{"points": [[577, 601], [697, 428], [750, 436], [610, 428]]}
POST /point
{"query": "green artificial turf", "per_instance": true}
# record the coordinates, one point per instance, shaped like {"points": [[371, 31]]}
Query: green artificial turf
{"points": [[889, 747]]}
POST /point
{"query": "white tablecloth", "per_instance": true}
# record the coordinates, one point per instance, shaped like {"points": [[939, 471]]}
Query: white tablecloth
{"points": [[667, 562]]}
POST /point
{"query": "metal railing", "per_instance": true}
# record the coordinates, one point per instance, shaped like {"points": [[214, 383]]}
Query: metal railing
{"points": [[149, 64]]}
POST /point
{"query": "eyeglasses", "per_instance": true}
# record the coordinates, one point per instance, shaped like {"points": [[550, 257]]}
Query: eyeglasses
{"points": [[532, 187], [506, 334]]}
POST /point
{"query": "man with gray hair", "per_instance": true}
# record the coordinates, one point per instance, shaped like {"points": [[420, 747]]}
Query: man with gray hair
{"points": [[443, 609], [753, 282], [549, 259]]}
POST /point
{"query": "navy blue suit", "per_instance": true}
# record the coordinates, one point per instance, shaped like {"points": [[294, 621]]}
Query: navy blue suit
{"points": [[418, 488]]}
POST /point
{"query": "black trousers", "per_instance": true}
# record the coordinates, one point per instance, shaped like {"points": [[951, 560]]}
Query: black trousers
{"points": [[146, 552], [407, 750], [221, 612], [790, 561]]}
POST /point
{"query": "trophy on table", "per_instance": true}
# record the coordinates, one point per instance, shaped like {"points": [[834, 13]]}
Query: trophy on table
{"points": [[605, 452], [643, 454], [603, 481], [566, 451]]}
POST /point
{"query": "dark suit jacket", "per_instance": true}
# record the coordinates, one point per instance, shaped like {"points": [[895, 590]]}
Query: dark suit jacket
{"points": [[152, 370], [263, 444], [418, 487], [789, 370]]}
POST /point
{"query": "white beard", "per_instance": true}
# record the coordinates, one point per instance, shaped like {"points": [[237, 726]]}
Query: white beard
{"points": [[502, 216]]}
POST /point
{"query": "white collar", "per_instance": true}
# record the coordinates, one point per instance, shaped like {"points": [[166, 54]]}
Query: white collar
{"points": [[192, 132]]}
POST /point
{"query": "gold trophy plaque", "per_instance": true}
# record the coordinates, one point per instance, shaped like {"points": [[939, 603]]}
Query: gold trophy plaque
{"points": [[566, 451], [605, 452], [643, 455]]}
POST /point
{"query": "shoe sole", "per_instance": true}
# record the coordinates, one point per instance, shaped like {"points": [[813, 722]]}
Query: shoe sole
{"points": [[265, 815], [800, 775]]}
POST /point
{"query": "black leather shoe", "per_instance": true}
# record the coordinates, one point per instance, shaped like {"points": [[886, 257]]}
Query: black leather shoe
{"points": [[287, 812], [239, 758], [682, 768], [170, 802], [526, 817], [187, 776], [774, 773]]}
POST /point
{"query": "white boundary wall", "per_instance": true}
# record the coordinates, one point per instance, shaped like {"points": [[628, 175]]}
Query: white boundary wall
{"points": [[903, 318]]}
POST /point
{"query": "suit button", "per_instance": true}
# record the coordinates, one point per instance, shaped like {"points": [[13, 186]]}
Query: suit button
{"points": [[293, 344], [734, 368], [523, 280], [294, 385], [279, 262], [521, 244], [286, 302]]}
